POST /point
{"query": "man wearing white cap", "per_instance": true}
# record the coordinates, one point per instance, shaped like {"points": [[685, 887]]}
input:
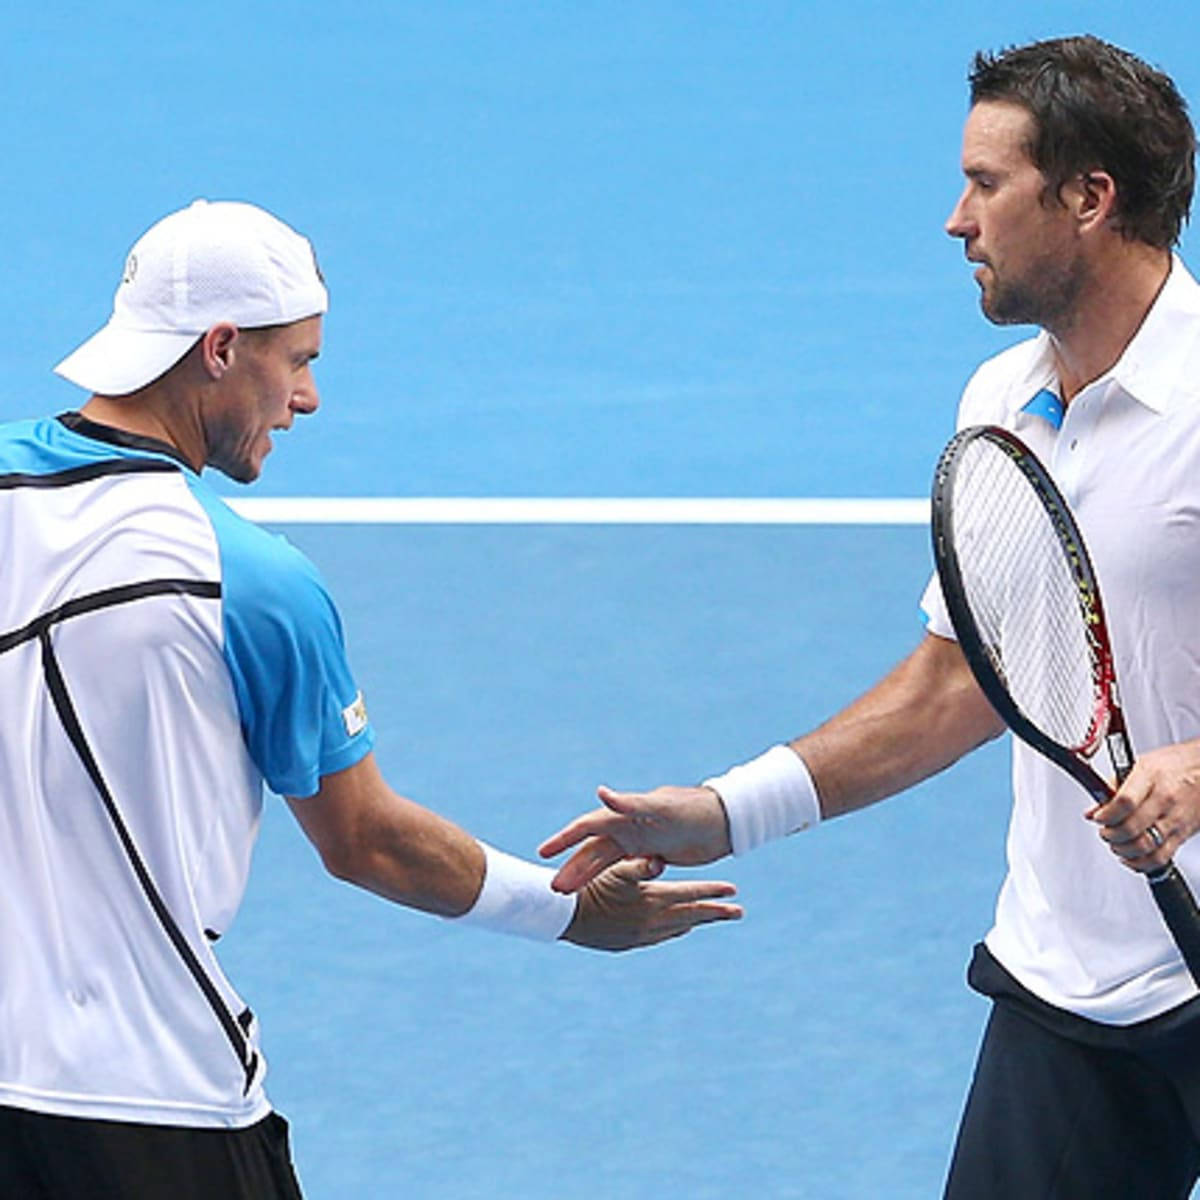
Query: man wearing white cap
{"points": [[160, 658]]}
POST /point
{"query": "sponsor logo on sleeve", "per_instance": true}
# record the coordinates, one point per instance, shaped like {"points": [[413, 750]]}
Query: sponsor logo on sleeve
{"points": [[355, 717]]}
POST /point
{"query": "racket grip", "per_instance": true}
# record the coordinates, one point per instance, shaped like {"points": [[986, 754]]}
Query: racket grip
{"points": [[1181, 913]]}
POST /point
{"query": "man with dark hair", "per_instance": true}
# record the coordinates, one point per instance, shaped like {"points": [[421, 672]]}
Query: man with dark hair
{"points": [[1078, 161], [1093, 103], [159, 659]]}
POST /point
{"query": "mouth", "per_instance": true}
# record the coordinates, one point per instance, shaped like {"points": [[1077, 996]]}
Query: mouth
{"points": [[982, 267]]}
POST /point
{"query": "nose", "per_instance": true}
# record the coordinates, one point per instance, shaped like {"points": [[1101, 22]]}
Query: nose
{"points": [[958, 223], [306, 399]]}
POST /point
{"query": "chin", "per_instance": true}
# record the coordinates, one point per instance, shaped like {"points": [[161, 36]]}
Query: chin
{"points": [[239, 472]]}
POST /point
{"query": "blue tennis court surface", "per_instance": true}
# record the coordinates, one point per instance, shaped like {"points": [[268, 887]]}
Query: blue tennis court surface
{"points": [[515, 668], [585, 250]]}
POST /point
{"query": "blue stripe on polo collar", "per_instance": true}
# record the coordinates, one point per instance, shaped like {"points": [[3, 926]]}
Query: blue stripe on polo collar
{"points": [[1048, 406]]}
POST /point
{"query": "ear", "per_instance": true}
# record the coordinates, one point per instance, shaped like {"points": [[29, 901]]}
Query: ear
{"points": [[1092, 197], [217, 349]]}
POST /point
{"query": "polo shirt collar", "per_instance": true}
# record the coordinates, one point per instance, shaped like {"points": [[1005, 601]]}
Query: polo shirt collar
{"points": [[1151, 369]]}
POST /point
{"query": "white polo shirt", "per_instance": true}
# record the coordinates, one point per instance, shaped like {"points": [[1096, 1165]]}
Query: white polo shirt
{"points": [[1072, 925], [159, 657]]}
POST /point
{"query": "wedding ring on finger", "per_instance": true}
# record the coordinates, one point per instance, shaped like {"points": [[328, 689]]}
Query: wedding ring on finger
{"points": [[1155, 836]]}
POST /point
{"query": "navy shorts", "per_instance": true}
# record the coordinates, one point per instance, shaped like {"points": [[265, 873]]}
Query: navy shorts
{"points": [[46, 1157], [1062, 1108]]}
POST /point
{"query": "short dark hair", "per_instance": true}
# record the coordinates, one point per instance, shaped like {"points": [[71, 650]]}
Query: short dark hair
{"points": [[1097, 107]]}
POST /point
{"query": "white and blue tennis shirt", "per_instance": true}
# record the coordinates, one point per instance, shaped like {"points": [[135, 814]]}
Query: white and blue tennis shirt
{"points": [[160, 658]]}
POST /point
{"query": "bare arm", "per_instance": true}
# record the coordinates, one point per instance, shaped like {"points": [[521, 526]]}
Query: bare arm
{"points": [[371, 836], [925, 714], [921, 717]]}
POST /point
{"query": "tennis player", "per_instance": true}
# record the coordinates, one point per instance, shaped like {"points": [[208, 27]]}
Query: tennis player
{"points": [[1078, 161], [159, 659]]}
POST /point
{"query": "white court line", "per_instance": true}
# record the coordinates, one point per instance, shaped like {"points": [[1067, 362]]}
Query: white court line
{"points": [[499, 510]]}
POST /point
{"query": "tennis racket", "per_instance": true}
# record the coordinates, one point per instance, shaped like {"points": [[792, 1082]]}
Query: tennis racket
{"points": [[1025, 604]]}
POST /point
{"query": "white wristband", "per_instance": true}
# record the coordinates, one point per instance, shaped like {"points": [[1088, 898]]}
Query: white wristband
{"points": [[767, 798], [516, 897]]}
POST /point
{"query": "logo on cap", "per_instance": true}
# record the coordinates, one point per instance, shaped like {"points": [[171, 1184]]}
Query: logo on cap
{"points": [[130, 269]]}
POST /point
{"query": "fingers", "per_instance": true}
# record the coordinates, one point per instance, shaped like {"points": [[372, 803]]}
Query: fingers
{"points": [[692, 891], [594, 857], [570, 835], [1120, 808], [683, 918], [679, 916], [600, 822], [625, 803], [597, 824], [629, 906], [1147, 849], [641, 869], [685, 904], [1136, 827]]}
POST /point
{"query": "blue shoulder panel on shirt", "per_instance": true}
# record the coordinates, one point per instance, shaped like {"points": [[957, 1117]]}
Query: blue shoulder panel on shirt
{"points": [[296, 697], [22, 452], [45, 446], [286, 653]]}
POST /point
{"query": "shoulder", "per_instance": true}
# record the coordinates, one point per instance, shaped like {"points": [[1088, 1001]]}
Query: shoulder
{"points": [[39, 447], [301, 710], [261, 570], [70, 446], [17, 433]]}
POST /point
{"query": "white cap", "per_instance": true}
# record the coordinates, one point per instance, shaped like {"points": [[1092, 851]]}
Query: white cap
{"points": [[207, 263]]}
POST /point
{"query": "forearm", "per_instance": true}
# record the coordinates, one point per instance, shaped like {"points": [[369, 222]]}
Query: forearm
{"points": [[369, 835], [418, 859], [923, 716]]}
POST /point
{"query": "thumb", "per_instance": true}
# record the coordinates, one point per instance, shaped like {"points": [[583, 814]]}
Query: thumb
{"points": [[623, 803], [642, 869]]}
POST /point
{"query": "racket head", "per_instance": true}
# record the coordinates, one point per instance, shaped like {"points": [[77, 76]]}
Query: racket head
{"points": [[1023, 598]]}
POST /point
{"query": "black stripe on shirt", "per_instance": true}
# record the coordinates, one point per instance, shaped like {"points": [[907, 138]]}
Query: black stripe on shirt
{"points": [[70, 719], [107, 598], [84, 474], [76, 422]]}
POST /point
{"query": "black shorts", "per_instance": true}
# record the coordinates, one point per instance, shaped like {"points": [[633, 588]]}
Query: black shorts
{"points": [[1062, 1108], [70, 1158]]}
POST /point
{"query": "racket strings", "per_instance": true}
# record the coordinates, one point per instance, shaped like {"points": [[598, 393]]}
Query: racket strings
{"points": [[1024, 593]]}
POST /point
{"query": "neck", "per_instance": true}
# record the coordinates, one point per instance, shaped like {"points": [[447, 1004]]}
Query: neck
{"points": [[161, 410], [1117, 298]]}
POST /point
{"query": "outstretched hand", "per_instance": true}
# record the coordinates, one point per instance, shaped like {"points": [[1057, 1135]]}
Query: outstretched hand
{"points": [[625, 907], [684, 826]]}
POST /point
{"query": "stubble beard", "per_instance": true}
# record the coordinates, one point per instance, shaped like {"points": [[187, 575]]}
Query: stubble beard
{"points": [[1047, 295]]}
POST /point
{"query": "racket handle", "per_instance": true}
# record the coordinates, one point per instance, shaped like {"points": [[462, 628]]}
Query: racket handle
{"points": [[1179, 910]]}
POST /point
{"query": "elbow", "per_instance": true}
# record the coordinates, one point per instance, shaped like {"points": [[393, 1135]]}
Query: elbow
{"points": [[341, 866], [996, 728], [987, 724], [374, 867], [344, 859]]}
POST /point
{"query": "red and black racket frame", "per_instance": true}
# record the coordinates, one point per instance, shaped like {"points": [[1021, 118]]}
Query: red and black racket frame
{"points": [[1168, 886]]}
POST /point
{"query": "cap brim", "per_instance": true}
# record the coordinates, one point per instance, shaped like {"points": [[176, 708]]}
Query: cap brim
{"points": [[116, 361]]}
